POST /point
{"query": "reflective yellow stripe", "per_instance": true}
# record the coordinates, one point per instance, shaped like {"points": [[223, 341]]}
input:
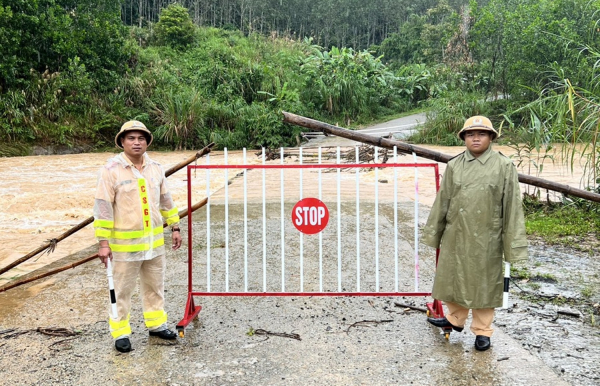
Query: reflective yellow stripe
{"points": [[104, 224], [103, 233], [135, 234], [155, 318], [173, 220], [169, 213], [145, 205], [137, 247], [119, 328]]}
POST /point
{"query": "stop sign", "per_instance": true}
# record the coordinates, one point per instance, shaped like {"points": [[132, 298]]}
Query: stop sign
{"points": [[310, 215]]}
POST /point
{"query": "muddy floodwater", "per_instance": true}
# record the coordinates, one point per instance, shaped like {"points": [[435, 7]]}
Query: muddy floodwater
{"points": [[549, 334]]}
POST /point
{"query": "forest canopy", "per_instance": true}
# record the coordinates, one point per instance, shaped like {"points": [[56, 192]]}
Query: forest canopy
{"points": [[222, 70]]}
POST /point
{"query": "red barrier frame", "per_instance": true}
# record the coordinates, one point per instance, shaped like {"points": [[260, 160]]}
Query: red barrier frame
{"points": [[192, 310]]}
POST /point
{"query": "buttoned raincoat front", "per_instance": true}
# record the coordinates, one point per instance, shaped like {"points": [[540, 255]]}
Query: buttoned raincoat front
{"points": [[130, 206], [476, 220]]}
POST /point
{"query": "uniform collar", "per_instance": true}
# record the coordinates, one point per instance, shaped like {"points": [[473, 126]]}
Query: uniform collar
{"points": [[482, 158], [129, 163]]}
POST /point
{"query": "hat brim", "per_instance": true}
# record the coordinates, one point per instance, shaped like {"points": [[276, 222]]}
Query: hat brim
{"points": [[148, 135], [494, 133]]}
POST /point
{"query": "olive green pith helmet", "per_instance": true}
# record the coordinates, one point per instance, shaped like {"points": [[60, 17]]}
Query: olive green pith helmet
{"points": [[478, 122], [133, 126]]}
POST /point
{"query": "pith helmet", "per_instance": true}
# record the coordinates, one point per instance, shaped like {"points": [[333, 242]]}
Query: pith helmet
{"points": [[133, 126], [478, 122]]}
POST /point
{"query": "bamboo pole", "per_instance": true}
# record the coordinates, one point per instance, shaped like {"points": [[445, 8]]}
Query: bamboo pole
{"points": [[426, 153], [182, 214], [51, 244]]}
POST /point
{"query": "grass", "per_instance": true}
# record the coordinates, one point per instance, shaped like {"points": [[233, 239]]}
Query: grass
{"points": [[519, 272], [571, 225], [587, 291], [15, 149]]}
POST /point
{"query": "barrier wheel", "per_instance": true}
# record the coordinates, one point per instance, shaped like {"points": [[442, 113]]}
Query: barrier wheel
{"points": [[181, 332], [428, 313], [447, 335]]}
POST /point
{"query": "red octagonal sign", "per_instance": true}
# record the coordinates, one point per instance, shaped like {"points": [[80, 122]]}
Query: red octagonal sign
{"points": [[310, 215]]}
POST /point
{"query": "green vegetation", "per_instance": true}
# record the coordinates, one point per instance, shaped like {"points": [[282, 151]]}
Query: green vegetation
{"points": [[191, 85], [222, 71], [519, 272], [175, 27], [587, 291], [571, 223]]}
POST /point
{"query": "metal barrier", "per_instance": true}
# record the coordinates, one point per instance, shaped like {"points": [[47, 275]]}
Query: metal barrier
{"points": [[305, 229]]}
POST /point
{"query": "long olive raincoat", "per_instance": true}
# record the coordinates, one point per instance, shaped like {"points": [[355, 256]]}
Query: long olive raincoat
{"points": [[476, 219]]}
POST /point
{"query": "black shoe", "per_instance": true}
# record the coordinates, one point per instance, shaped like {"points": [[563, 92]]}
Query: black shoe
{"points": [[164, 334], [123, 345], [443, 323], [482, 343]]}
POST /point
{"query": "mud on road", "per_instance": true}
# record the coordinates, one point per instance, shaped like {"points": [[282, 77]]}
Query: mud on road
{"points": [[340, 341]]}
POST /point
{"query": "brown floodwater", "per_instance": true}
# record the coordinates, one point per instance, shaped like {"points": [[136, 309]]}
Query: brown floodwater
{"points": [[44, 196]]}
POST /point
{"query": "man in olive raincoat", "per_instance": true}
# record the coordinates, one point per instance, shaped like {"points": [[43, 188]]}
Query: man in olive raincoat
{"points": [[476, 221]]}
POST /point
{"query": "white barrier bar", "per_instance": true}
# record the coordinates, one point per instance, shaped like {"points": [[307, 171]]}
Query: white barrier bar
{"points": [[375, 159], [282, 224], [396, 252], [301, 234], [208, 224], [320, 233], [506, 282], [245, 224], [339, 224], [357, 170], [226, 223], [264, 229], [111, 290], [416, 224]]}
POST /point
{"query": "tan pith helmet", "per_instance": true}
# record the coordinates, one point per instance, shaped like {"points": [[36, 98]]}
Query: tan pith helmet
{"points": [[478, 122], [133, 126]]}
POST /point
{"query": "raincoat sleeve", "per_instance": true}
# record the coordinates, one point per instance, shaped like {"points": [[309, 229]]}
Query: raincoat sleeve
{"points": [[514, 238], [436, 222], [167, 207], [103, 206]]}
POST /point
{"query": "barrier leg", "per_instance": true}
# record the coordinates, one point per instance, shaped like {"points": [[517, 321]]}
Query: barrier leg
{"points": [[191, 311]]}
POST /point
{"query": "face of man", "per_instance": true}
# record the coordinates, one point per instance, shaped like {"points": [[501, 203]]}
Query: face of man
{"points": [[134, 143], [477, 141]]}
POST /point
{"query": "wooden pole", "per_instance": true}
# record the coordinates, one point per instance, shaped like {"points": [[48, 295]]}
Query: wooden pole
{"points": [[51, 244], [426, 153], [182, 214]]}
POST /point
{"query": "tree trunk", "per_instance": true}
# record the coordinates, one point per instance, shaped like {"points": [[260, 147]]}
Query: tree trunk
{"points": [[426, 153]]}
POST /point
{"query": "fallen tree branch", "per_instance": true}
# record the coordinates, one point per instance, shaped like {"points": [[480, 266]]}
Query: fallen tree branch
{"points": [[61, 342], [14, 335], [569, 313], [367, 323], [281, 334], [404, 147], [56, 331], [411, 307]]}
